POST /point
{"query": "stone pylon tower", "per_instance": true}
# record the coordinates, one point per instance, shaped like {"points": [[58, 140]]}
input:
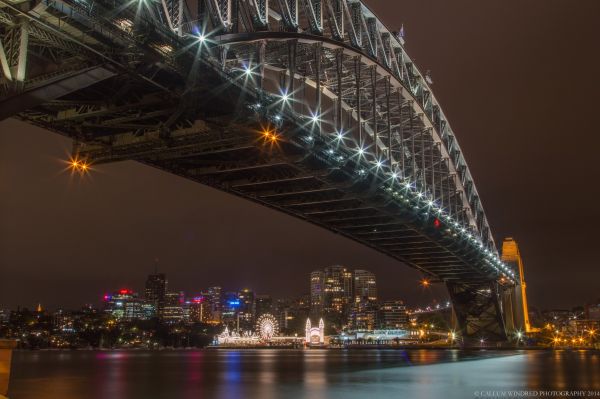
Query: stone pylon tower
{"points": [[517, 302]]}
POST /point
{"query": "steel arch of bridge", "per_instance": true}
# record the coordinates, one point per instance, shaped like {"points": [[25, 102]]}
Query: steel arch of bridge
{"points": [[365, 147]]}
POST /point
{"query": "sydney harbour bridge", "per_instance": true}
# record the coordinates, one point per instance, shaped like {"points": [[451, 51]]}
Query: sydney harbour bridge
{"points": [[310, 107]]}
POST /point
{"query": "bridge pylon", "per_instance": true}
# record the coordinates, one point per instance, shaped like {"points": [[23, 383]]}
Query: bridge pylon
{"points": [[514, 299]]}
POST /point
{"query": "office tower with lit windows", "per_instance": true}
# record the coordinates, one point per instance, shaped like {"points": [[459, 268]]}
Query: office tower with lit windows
{"points": [[247, 310], [331, 291], [365, 286], [125, 305], [216, 303], [155, 292], [393, 315], [337, 283], [172, 311], [317, 291]]}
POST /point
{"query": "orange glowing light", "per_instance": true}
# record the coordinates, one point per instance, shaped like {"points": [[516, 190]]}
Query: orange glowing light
{"points": [[78, 165], [425, 283]]}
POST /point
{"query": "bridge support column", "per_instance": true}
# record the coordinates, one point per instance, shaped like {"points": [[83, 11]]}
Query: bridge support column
{"points": [[478, 313], [6, 347]]}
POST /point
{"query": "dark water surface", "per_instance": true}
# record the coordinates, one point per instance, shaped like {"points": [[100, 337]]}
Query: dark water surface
{"points": [[314, 374]]}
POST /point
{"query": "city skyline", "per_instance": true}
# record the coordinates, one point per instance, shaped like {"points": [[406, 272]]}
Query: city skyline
{"points": [[83, 232]]}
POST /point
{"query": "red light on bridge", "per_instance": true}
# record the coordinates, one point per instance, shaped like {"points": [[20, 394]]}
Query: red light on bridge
{"points": [[436, 223]]}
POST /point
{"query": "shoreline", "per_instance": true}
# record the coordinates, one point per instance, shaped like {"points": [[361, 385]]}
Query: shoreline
{"points": [[361, 348]]}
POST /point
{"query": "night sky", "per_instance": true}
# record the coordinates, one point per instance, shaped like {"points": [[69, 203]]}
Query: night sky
{"points": [[519, 81]]}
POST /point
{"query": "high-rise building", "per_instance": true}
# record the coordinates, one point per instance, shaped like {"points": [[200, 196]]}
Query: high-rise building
{"points": [[393, 315], [172, 311], [216, 303], [337, 283], [263, 304], [365, 286], [124, 305], [246, 311], [156, 289], [231, 307], [316, 290], [332, 294]]}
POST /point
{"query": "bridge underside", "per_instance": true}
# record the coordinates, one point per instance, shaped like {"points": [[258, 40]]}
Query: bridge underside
{"points": [[409, 196]]}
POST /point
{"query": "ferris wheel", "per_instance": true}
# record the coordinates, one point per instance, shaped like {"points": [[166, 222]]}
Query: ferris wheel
{"points": [[267, 326]]}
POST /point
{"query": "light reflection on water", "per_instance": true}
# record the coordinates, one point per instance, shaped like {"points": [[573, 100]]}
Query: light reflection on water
{"points": [[314, 374]]}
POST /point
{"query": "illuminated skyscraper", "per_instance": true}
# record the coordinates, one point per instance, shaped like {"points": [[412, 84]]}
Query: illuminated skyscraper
{"points": [[156, 289], [365, 286], [216, 303], [124, 305], [316, 290], [337, 284], [331, 294]]}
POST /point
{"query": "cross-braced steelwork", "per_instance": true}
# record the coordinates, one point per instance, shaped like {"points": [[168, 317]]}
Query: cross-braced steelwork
{"points": [[311, 107]]}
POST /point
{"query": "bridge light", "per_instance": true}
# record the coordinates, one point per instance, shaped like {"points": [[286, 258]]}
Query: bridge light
{"points": [[339, 135], [284, 96], [436, 223], [420, 194], [277, 117], [361, 151], [315, 118], [379, 164], [394, 175], [78, 165], [430, 203], [425, 283]]}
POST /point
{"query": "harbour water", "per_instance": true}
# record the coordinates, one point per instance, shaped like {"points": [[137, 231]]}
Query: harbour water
{"points": [[314, 374]]}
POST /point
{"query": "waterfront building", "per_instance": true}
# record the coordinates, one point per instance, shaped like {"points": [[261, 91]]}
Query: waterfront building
{"points": [[364, 308], [364, 316], [365, 286], [393, 315], [592, 311], [332, 294]]}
